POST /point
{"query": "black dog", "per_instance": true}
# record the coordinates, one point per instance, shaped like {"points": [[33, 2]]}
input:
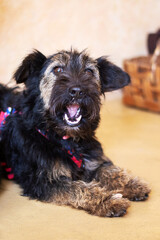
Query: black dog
{"points": [[48, 142]]}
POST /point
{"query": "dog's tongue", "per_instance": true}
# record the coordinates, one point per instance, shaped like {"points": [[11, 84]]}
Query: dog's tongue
{"points": [[72, 110]]}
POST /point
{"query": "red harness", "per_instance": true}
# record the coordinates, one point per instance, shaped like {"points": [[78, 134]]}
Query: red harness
{"points": [[74, 156], [6, 169]]}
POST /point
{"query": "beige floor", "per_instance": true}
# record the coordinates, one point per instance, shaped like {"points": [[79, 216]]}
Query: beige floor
{"points": [[131, 138]]}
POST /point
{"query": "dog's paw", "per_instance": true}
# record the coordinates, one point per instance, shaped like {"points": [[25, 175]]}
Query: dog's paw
{"points": [[115, 206], [136, 190]]}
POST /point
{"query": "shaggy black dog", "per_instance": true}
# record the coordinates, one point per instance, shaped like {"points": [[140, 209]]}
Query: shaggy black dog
{"points": [[47, 134]]}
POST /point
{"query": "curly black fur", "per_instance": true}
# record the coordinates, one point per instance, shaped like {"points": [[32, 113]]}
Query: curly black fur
{"points": [[41, 165]]}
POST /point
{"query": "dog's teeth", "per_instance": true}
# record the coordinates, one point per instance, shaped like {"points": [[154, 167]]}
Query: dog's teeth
{"points": [[79, 118], [66, 117], [78, 111], [71, 123]]}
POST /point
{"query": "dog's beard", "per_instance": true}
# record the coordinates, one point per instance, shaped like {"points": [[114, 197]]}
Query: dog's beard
{"points": [[76, 118]]}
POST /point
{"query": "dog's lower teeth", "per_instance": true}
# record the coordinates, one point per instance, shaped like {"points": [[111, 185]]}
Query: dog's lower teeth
{"points": [[78, 112], [74, 122]]}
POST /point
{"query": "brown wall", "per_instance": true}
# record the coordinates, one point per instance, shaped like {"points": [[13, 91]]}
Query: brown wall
{"points": [[116, 28]]}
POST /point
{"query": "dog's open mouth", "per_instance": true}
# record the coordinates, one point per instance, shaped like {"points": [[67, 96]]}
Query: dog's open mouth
{"points": [[73, 115]]}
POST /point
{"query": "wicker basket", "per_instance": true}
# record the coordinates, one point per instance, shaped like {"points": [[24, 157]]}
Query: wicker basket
{"points": [[144, 90]]}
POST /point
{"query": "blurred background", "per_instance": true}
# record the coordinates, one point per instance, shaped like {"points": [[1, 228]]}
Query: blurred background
{"points": [[119, 29], [116, 28]]}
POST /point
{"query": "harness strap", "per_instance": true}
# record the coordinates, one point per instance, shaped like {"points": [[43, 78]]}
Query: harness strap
{"points": [[6, 169], [4, 115], [74, 156]]}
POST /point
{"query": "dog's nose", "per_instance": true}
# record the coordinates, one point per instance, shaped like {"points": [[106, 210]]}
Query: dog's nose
{"points": [[76, 92]]}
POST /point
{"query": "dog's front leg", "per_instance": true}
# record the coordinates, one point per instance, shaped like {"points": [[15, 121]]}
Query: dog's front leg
{"points": [[113, 178], [92, 198]]}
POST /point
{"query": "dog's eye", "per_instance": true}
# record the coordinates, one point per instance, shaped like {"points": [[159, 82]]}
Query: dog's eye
{"points": [[89, 71], [58, 69]]}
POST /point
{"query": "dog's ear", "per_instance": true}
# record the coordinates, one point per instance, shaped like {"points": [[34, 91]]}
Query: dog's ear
{"points": [[111, 76], [31, 65]]}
